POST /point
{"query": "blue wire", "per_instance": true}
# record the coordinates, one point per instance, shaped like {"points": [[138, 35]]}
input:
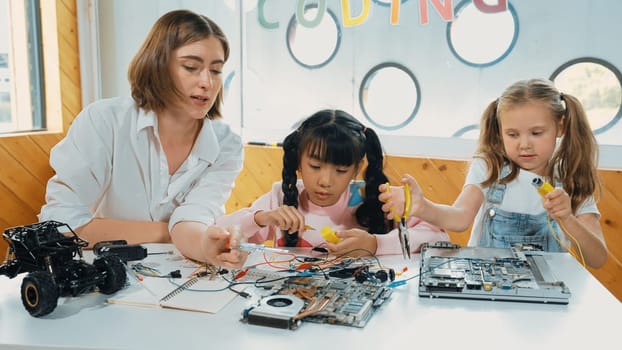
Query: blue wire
{"points": [[403, 282]]}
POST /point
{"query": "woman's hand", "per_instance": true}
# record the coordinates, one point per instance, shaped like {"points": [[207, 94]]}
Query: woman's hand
{"points": [[354, 242], [217, 243]]}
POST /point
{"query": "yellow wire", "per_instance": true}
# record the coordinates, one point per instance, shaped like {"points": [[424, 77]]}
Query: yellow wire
{"points": [[570, 250], [543, 189]]}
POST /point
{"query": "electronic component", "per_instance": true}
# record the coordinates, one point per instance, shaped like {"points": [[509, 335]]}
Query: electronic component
{"points": [[506, 274], [127, 252], [278, 311], [331, 301]]}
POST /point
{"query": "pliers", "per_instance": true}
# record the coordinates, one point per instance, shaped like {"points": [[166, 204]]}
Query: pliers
{"points": [[401, 222]]}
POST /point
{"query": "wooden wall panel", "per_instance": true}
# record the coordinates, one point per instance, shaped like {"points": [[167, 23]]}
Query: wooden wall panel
{"points": [[26, 152], [441, 180], [429, 173], [610, 212], [25, 158], [17, 179], [45, 142], [260, 170], [15, 211]]}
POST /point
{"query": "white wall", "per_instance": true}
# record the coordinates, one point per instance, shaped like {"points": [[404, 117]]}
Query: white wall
{"points": [[277, 92]]}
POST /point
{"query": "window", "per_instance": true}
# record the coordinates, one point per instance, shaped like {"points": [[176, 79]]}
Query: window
{"points": [[21, 70], [481, 39], [598, 85], [315, 42], [379, 102]]}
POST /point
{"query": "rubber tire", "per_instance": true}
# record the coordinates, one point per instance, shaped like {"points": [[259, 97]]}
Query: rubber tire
{"points": [[39, 293], [116, 275]]}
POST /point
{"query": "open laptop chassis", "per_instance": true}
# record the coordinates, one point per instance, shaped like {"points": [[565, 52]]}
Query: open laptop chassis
{"points": [[503, 274]]}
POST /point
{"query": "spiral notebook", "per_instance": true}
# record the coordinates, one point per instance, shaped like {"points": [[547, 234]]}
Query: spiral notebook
{"points": [[195, 294], [203, 294]]}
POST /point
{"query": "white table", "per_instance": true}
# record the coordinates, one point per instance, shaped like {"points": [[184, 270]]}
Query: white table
{"points": [[88, 322]]}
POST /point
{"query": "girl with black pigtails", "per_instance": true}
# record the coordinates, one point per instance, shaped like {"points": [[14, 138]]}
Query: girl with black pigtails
{"points": [[319, 202]]}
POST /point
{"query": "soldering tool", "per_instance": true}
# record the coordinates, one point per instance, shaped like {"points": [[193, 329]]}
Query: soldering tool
{"points": [[543, 187], [252, 247]]}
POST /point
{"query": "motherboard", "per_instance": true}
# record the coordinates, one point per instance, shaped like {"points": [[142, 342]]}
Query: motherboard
{"points": [[319, 299], [502, 274]]}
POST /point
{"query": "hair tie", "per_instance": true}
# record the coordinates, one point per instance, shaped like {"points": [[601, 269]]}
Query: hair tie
{"points": [[562, 102], [364, 129]]}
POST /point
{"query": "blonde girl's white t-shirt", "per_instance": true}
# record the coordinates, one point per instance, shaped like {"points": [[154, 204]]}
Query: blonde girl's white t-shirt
{"points": [[520, 197]]}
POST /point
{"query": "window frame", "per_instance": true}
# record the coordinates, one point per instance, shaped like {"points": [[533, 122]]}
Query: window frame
{"points": [[606, 64], [34, 58]]}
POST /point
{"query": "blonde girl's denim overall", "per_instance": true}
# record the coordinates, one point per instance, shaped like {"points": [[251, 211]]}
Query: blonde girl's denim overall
{"points": [[503, 229]]}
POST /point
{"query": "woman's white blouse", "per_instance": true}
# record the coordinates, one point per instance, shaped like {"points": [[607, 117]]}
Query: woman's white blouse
{"points": [[111, 165]]}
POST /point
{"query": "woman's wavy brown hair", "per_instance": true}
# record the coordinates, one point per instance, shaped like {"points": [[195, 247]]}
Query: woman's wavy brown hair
{"points": [[151, 83]]}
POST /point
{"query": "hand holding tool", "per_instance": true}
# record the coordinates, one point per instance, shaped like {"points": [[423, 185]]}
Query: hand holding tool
{"points": [[401, 222]]}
